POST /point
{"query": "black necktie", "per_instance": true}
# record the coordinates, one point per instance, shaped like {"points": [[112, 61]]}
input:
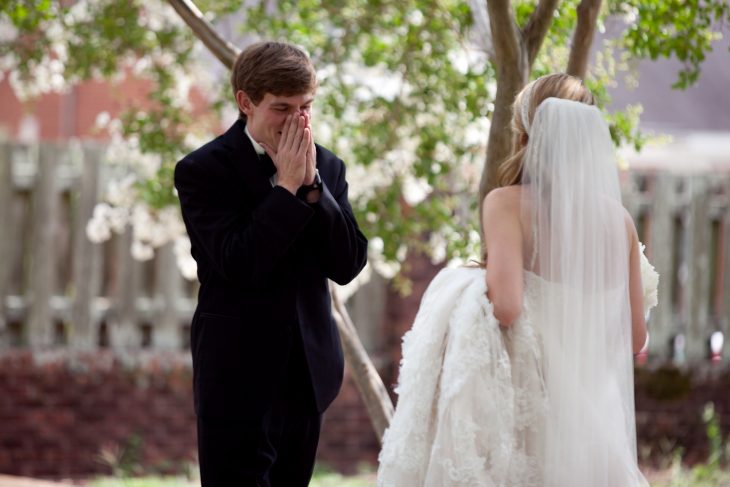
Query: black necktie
{"points": [[268, 165]]}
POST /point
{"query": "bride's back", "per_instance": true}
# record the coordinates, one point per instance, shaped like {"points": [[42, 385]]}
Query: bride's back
{"points": [[545, 398], [576, 236]]}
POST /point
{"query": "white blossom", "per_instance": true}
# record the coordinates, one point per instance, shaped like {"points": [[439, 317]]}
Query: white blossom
{"points": [[388, 270], [195, 140], [376, 245], [98, 230], [149, 228], [169, 216], [650, 282], [437, 244], [118, 218], [140, 65], [401, 253], [126, 153], [185, 262], [104, 220], [121, 192], [159, 15], [374, 81], [141, 251], [102, 120], [183, 83], [55, 32], [8, 32], [630, 14], [415, 190], [415, 17], [79, 13], [459, 60], [348, 290]]}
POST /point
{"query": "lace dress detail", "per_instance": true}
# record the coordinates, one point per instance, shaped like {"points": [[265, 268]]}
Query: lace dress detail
{"points": [[473, 407], [472, 400]]}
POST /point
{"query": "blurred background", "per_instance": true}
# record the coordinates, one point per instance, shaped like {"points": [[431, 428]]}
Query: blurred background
{"points": [[99, 99]]}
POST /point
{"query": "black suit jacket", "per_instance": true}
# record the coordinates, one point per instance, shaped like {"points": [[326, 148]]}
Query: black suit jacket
{"points": [[264, 257]]}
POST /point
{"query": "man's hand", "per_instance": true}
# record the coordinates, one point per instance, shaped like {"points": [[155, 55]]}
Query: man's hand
{"points": [[290, 158], [311, 154]]}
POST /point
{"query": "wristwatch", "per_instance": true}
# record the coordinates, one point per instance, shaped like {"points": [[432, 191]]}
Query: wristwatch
{"points": [[308, 188]]}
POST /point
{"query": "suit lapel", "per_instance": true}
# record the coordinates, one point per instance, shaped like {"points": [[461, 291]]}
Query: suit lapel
{"points": [[246, 162]]}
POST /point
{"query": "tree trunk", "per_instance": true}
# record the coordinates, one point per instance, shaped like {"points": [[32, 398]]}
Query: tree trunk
{"points": [[499, 146], [515, 53], [585, 29], [369, 383], [512, 62]]}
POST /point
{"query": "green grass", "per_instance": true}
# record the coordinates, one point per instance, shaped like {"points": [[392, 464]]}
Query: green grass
{"points": [[674, 474], [323, 477], [335, 480], [700, 476], [144, 482]]}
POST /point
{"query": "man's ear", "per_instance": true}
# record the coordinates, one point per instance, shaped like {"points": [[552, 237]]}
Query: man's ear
{"points": [[244, 102]]}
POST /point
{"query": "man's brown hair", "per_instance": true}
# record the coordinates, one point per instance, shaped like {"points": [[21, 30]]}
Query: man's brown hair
{"points": [[272, 67]]}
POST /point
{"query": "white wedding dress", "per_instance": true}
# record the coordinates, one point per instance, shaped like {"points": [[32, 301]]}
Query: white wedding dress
{"points": [[473, 405], [548, 401], [471, 395]]}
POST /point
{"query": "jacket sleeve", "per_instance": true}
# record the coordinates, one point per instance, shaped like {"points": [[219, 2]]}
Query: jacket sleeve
{"points": [[343, 247], [241, 249]]}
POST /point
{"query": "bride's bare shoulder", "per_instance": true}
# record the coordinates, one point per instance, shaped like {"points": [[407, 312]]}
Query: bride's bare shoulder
{"points": [[506, 198]]}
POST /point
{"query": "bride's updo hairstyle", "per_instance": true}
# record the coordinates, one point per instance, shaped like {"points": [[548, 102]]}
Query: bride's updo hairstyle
{"points": [[557, 85]]}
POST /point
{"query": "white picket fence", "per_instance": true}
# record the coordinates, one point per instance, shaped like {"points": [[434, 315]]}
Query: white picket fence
{"points": [[58, 289]]}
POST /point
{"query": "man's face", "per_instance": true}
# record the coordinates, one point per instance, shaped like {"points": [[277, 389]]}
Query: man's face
{"points": [[266, 119]]}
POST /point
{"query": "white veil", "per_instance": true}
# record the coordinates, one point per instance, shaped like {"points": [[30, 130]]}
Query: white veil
{"points": [[578, 248]]}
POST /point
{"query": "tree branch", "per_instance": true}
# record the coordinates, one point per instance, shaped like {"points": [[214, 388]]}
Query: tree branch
{"points": [[366, 377], [537, 27], [585, 29], [221, 48], [506, 36]]}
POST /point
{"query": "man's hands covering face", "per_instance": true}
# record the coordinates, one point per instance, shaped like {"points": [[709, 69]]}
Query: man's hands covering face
{"points": [[295, 158], [311, 155]]}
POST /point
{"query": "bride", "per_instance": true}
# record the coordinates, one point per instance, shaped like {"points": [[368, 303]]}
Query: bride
{"points": [[522, 375]]}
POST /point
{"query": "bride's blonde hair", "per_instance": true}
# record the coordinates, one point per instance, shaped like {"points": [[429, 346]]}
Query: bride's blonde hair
{"points": [[558, 85]]}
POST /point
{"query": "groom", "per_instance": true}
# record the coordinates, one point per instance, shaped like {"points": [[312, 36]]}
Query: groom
{"points": [[268, 217]]}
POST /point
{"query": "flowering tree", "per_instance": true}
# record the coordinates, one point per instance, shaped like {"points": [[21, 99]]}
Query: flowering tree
{"points": [[523, 33], [408, 93], [414, 95]]}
